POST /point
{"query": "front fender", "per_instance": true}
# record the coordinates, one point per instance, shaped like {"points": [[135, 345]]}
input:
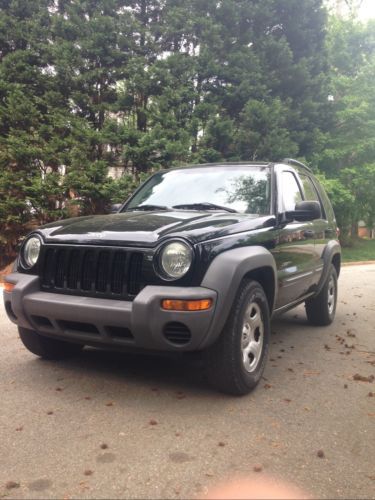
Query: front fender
{"points": [[224, 276]]}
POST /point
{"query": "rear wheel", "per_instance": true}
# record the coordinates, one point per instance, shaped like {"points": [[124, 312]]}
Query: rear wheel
{"points": [[46, 347], [321, 309], [235, 363]]}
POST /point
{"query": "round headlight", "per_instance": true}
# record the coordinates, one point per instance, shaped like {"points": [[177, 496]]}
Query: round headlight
{"points": [[31, 252], [176, 259]]}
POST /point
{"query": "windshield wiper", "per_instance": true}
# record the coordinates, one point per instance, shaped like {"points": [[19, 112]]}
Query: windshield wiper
{"points": [[205, 206], [148, 207]]}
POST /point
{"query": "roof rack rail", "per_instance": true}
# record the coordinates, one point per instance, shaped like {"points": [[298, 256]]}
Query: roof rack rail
{"points": [[291, 161]]}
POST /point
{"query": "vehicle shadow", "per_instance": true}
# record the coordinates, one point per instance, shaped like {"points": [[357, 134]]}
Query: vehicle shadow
{"points": [[165, 371], [139, 370]]}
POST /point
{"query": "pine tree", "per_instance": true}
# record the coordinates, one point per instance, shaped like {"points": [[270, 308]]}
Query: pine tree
{"points": [[29, 122], [89, 85]]}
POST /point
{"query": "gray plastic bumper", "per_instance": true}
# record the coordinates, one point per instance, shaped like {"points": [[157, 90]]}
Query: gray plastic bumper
{"points": [[141, 323]]}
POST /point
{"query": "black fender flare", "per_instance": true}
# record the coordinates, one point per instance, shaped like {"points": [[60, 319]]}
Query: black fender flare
{"points": [[332, 249], [224, 276]]}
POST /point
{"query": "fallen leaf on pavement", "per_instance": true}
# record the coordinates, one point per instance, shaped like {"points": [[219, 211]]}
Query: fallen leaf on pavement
{"points": [[362, 378], [10, 485], [309, 373]]}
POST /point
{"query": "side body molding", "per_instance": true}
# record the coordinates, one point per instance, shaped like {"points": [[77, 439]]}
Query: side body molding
{"points": [[225, 275]]}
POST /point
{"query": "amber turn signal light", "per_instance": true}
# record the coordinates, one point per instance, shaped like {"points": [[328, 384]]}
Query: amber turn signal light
{"points": [[8, 287], [186, 305]]}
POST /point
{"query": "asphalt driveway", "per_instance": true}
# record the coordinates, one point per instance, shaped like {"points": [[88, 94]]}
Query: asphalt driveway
{"points": [[108, 425]]}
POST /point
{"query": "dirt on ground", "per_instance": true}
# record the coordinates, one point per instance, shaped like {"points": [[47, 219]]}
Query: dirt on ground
{"points": [[125, 425]]}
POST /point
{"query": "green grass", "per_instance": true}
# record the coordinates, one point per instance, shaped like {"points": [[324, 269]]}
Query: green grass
{"points": [[360, 250]]}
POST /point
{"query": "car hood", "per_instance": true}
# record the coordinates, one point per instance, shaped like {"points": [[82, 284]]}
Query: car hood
{"points": [[149, 228]]}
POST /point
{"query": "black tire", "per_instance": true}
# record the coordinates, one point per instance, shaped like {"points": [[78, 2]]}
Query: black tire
{"points": [[46, 347], [225, 360], [321, 309]]}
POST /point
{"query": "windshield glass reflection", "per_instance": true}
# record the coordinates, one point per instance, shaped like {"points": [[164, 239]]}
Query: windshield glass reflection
{"points": [[245, 189]]}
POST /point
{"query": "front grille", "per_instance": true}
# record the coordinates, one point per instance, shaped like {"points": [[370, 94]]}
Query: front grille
{"points": [[100, 272]]}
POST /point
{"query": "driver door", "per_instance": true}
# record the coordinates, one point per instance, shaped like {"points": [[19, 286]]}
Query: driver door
{"points": [[295, 254]]}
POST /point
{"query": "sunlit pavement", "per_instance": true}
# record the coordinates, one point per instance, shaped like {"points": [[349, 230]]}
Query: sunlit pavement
{"points": [[109, 425]]}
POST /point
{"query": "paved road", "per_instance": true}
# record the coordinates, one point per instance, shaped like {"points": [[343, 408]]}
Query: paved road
{"points": [[108, 425]]}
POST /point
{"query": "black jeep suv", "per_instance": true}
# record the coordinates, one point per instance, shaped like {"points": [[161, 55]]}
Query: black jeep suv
{"points": [[198, 259]]}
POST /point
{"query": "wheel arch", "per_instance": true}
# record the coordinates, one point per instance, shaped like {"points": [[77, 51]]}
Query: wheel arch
{"points": [[266, 278], [331, 255], [336, 261], [225, 275]]}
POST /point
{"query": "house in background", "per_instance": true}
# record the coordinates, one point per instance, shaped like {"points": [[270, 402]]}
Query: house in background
{"points": [[364, 231]]}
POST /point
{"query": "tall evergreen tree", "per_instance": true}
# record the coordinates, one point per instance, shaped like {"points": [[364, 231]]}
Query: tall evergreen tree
{"points": [[348, 158], [91, 47], [87, 85], [29, 123]]}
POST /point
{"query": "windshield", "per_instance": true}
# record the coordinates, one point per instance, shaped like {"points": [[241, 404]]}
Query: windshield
{"points": [[236, 188]]}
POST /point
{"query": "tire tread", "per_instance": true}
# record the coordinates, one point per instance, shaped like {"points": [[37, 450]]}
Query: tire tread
{"points": [[222, 368], [316, 308]]}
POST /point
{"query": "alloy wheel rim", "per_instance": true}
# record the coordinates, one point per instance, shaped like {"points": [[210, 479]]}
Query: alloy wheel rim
{"points": [[252, 337], [331, 295]]}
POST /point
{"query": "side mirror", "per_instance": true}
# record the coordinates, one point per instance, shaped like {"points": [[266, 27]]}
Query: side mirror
{"points": [[305, 211]]}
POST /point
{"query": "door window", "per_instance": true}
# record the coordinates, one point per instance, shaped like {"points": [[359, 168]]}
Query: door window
{"points": [[291, 193], [311, 193], [308, 187]]}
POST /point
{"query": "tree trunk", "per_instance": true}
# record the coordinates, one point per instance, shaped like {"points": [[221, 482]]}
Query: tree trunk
{"points": [[354, 230]]}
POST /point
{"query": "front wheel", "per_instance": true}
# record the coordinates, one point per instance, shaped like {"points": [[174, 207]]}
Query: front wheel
{"points": [[46, 347], [321, 309], [235, 363]]}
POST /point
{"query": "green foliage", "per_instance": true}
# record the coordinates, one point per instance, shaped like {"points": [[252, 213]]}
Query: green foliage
{"points": [[132, 86], [359, 250], [342, 200], [263, 132], [348, 157]]}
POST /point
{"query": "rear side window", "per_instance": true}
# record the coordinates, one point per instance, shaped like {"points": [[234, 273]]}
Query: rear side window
{"points": [[326, 203], [290, 190], [309, 189], [311, 193]]}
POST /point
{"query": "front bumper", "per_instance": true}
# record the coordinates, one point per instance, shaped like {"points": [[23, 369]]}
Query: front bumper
{"points": [[112, 323]]}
